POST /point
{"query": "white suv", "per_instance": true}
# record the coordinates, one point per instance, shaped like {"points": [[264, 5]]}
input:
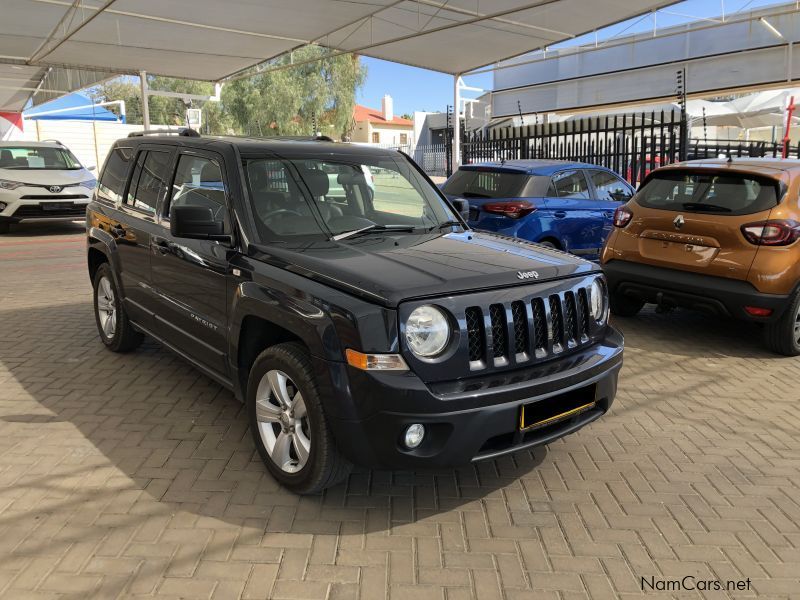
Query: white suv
{"points": [[41, 180]]}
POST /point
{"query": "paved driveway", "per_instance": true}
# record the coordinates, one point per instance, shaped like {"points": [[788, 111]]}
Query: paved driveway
{"points": [[125, 475]]}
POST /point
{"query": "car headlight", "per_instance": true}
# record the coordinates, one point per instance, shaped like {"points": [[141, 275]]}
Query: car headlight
{"points": [[89, 184], [427, 331], [598, 301], [10, 185]]}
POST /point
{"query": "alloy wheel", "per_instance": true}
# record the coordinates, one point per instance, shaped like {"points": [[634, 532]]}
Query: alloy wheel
{"points": [[283, 421], [106, 307], [797, 325]]}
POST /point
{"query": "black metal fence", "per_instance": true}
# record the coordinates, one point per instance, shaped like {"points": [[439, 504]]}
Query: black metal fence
{"points": [[632, 144]]}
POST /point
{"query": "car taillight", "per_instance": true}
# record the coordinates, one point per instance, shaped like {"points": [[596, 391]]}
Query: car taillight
{"points": [[622, 216], [778, 232], [514, 209]]}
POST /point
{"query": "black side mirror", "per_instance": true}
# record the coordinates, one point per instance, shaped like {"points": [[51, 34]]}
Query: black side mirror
{"points": [[195, 222], [462, 206]]}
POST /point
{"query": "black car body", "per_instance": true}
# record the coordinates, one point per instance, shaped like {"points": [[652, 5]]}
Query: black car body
{"points": [[522, 331]]}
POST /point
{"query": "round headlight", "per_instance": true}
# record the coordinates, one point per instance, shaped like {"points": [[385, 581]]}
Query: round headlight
{"points": [[427, 331], [598, 304]]}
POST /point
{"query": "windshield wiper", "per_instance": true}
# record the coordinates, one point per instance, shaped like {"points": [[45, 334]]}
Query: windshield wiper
{"points": [[373, 227], [704, 206], [473, 195], [441, 226]]}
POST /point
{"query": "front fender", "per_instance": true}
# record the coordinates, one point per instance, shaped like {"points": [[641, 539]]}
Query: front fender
{"points": [[305, 320]]}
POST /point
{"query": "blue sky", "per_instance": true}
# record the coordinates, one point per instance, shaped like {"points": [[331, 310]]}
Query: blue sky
{"points": [[419, 89]]}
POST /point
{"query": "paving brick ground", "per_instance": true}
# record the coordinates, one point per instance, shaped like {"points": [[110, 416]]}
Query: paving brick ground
{"points": [[134, 475]]}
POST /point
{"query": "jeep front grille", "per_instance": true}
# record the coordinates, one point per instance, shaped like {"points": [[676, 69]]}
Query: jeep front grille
{"points": [[540, 327]]}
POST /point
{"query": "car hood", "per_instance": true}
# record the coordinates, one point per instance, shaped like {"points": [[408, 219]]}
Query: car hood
{"points": [[390, 268], [46, 176]]}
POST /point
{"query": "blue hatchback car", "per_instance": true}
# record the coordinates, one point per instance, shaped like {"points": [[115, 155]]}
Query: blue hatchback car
{"points": [[566, 205]]}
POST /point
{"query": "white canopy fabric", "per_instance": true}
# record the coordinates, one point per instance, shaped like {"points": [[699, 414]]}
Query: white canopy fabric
{"points": [[213, 40]]}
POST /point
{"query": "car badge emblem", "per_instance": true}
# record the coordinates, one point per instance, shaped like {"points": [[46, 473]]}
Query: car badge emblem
{"points": [[678, 222], [55, 189], [527, 275]]}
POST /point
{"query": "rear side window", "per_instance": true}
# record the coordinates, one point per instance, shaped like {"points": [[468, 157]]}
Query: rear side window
{"points": [[112, 182], [569, 184], [609, 187], [720, 193], [149, 180], [469, 183], [198, 182]]}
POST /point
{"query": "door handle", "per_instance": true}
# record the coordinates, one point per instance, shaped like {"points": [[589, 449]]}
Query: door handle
{"points": [[560, 214], [162, 245], [608, 214], [118, 230]]}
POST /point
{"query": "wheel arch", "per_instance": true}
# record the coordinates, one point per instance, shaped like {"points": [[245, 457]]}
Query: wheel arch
{"points": [[256, 334]]}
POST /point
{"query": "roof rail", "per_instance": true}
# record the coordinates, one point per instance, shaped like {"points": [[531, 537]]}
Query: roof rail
{"points": [[181, 131], [300, 138], [52, 140]]}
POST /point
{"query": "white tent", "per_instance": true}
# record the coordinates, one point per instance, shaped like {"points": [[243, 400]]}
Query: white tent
{"points": [[55, 42]]}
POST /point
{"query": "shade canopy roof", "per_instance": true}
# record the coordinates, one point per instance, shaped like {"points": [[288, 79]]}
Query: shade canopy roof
{"points": [[213, 40], [73, 107]]}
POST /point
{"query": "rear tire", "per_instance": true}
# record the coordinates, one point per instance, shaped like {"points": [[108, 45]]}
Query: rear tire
{"points": [[624, 306], [115, 330], [783, 336], [288, 423]]}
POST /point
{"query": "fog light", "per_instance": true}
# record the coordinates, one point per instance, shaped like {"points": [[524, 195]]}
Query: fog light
{"points": [[3, 206], [414, 435]]}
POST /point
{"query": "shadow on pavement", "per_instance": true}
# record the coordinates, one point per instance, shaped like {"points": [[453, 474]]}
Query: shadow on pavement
{"points": [[182, 443]]}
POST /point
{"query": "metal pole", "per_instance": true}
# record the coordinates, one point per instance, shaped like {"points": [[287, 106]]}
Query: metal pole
{"points": [[456, 122], [145, 95]]}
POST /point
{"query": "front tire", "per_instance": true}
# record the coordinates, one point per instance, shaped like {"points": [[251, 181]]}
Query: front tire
{"points": [[288, 423], [624, 306], [783, 335], [5, 227], [115, 330]]}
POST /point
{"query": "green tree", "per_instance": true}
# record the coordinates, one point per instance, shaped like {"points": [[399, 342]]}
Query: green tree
{"points": [[121, 88], [289, 101], [284, 102]]}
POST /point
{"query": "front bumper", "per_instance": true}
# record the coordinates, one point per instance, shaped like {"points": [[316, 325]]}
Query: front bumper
{"points": [[467, 420], [706, 293], [35, 204]]}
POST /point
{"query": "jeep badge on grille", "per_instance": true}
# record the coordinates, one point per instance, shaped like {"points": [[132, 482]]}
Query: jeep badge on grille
{"points": [[527, 275]]}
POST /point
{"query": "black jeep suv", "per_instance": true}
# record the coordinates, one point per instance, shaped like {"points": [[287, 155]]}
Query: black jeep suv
{"points": [[341, 297]]}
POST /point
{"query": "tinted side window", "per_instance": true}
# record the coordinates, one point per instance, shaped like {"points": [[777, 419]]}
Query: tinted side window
{"points": [[112, 182], [149, 180], [609, 187], [568, 184], [198, 182]]}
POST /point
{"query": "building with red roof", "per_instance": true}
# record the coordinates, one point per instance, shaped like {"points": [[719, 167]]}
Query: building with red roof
{"points": [[381, 126]]}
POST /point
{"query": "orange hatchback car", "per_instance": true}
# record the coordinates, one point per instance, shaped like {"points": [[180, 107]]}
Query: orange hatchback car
{"points": [[719, 236]]}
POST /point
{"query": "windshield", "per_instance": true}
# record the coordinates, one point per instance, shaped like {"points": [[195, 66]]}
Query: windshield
{"points": [[727, 193], [324, 198], [471, 183], [37, 158]]}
